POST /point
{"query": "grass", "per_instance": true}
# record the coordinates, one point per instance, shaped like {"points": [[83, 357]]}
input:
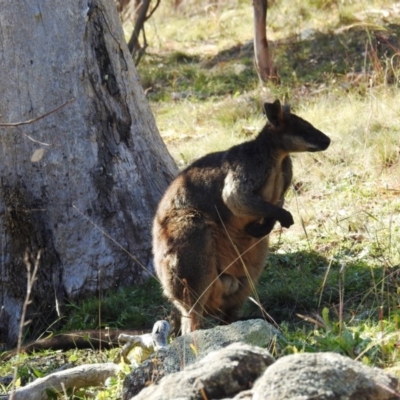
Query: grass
{"points": [[332, 281], [138, 307]]}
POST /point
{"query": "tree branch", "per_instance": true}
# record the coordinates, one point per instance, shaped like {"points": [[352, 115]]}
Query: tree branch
{"points": [[153, 10], [133, 44]]}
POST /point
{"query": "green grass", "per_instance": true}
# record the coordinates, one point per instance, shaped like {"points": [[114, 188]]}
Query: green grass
{"points": [[131, 307], [332, 281]]}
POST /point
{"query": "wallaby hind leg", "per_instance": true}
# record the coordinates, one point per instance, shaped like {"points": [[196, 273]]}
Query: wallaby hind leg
{"points": [[187, 267]]}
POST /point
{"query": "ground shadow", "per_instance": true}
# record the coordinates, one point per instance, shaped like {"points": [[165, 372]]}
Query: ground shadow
{"points": [[353, 55], [356, 49], [301, 284]]}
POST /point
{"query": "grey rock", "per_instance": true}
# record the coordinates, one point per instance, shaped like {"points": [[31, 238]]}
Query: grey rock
{"points": [[187, 349], [323, 376], [254, 332], [219, 374]]}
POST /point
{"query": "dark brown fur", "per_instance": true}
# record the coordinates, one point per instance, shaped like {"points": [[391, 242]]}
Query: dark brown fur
{"points": [[209, 233]]}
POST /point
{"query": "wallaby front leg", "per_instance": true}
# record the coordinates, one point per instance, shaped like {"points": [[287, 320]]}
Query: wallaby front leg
{"points": [[257, 229], [240, 197]]}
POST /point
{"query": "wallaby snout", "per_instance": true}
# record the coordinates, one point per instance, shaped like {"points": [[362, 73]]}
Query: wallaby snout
{"points": [[320, 142]]}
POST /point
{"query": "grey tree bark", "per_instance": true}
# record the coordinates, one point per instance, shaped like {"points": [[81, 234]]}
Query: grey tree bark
{"points": [[83, 182]]}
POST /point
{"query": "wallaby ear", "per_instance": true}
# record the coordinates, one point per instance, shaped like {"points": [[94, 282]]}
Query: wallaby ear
{"points": [[274, 112]]}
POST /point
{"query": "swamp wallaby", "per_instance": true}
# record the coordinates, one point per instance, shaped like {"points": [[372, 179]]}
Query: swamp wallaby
{"points": [[206, 233]]}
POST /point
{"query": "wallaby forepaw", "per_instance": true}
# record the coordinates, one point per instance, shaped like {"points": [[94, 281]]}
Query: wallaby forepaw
{"points": [[286, 219]]}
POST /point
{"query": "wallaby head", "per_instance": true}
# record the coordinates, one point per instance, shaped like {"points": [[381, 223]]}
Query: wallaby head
{"points": [[294, 133]]}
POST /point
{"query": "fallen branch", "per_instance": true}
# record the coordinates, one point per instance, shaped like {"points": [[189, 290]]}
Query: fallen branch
{"points": [[31, 121], [91, 338], [77, 377]]}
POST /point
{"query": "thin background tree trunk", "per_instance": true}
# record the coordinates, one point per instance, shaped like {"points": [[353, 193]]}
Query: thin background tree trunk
{"points": [[90, 199], [262, 54]]}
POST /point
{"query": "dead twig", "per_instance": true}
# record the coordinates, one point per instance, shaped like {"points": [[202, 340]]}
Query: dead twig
{"points": [[31, 121], [31, 278]]}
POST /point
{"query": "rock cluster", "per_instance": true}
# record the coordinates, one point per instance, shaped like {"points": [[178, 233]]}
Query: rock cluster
{"points": [[231, 362]]}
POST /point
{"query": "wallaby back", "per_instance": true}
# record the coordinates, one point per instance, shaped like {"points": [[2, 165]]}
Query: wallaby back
{"points": [[210, 231]]}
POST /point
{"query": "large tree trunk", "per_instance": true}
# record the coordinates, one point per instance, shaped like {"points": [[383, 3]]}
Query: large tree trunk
{"points": [[89, 199]]}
